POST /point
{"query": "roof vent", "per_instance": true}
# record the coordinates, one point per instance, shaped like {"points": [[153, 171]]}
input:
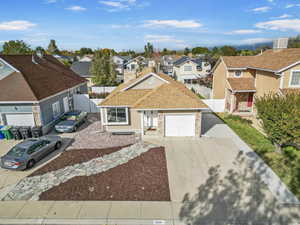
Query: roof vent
{"points": [[280, 43]]}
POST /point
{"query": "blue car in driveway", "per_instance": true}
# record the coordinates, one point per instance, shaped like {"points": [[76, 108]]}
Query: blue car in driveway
{"points": [[25, 154], [71, 121]]}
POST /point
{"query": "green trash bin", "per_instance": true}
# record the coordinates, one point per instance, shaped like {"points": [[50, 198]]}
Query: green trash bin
{"points": [[7, 134]]}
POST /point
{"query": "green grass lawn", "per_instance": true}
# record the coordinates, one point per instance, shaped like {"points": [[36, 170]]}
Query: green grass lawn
{"points": [[285, 165]]}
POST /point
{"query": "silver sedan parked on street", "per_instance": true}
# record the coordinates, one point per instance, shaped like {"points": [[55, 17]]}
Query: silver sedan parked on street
{"points": [[25, 154]]}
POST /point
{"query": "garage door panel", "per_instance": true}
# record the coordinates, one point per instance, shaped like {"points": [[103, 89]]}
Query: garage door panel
{"points": [[20, 119], [180, 125]]}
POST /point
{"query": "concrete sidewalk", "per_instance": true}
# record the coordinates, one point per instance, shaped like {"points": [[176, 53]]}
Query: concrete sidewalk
{"points": [[97, 212]]}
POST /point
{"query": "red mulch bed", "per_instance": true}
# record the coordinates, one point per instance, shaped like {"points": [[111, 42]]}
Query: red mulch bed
{"points": [[73, 157], [144, 178]]}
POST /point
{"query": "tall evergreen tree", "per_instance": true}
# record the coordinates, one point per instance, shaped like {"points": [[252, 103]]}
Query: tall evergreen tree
{"points": [[16, 48], [52, 47], [103, 69], [149, 49]]}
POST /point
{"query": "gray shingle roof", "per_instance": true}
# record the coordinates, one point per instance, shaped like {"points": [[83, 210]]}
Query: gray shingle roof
{"points": [[82, 68]]}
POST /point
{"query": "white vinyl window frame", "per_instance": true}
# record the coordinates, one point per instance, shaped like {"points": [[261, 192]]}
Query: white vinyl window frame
{"points": [[117, 123], [291, 79], [56, 109]]}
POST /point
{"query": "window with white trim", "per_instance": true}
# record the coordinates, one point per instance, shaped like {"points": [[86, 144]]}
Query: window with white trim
{"points": [[295, 78], [117, 115], [238, 73], [188, 68], [56, 109]]}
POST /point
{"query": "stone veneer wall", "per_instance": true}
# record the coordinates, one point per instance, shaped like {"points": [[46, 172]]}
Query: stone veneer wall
{"points": [[37, 115], [161, 124], [198, 124]]}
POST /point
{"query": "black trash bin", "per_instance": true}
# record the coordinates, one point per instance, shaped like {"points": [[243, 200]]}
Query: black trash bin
{"points": [[15, 131], [25, 132], [36, 132]]}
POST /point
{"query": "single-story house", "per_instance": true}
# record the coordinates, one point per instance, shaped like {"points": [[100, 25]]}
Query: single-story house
{"points": [[153, 104], [82, 69], [36, 90]]}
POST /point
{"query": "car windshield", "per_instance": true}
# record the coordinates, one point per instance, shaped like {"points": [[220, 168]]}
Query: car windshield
{"points": [[16, 152]]}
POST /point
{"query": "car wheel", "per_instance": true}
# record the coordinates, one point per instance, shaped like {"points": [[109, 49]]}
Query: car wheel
{"points": [[75, 128], [57, 145], [30, 163]]}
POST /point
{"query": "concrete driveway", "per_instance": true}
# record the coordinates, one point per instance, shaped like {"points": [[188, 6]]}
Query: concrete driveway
{"points": [[9, 178], [210, 180]]}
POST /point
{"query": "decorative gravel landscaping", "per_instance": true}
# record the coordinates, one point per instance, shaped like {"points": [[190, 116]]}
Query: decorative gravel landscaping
{"points": [[144, 178], [136, 172]]}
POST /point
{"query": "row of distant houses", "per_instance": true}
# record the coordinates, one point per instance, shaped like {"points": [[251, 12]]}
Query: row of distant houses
{"points": [[184, 69]]}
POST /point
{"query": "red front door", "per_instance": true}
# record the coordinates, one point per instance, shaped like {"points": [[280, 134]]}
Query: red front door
{"points": [[250, 100]]}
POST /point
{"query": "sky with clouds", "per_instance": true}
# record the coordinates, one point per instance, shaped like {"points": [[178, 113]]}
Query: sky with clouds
{"points": [[129, 24]]}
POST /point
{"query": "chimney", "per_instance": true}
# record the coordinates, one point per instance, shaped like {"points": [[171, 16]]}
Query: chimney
{"points": [[280, 43]]}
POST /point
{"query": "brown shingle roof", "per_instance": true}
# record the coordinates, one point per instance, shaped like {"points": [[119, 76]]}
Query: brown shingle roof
{"points": [[241, 84], [36, 81], [273, 60], [169, 95]]}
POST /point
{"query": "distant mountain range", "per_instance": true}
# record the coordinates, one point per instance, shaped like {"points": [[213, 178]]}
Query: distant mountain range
{"points": [[253, 46]]}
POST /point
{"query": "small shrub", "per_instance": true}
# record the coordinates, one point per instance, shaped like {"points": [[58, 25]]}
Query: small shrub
{"points": [[98, 95], [280, 118]]}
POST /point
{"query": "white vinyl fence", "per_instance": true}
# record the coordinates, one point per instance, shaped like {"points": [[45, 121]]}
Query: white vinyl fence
{"points": [[216, 105], [84, 103], [100, 90]]}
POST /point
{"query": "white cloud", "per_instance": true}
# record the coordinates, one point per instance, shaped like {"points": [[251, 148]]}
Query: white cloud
{"points": [[16, 25], [292, 5], [173, 23], [51, 1], [262, 9], [165, 39], [282, 16], [118, 5], [254, 41], [270, 1], [76, 8], [245, 31], [281, 25]]}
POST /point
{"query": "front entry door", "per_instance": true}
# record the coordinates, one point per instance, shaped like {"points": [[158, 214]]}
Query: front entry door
{"points": [[151, 119]]}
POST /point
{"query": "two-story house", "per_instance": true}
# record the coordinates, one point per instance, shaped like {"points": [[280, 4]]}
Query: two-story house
{"points": [[239, 79], [120, 61], [36, 90]]}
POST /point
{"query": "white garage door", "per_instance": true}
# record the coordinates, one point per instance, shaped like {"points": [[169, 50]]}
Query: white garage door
{"points": [[180, 125], [22, 119]]}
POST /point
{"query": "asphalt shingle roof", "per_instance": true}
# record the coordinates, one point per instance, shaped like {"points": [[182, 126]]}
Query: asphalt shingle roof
{"points": [[82, 68], [172, 94], [36, 80]]}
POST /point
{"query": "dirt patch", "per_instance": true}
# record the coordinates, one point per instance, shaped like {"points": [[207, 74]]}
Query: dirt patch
{"points": [[73, 157], [144, 178]]}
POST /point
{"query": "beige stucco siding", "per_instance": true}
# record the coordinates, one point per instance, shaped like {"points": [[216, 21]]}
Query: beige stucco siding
{"points": [[266, 82], [287, 76], [219, 78], [134, 123], [149, 83]]}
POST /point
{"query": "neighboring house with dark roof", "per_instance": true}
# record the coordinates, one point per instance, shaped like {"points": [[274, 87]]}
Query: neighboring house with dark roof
{"points": [[83, 70], [239, 79], [188, 70], [36, 91], [153, 104]]}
